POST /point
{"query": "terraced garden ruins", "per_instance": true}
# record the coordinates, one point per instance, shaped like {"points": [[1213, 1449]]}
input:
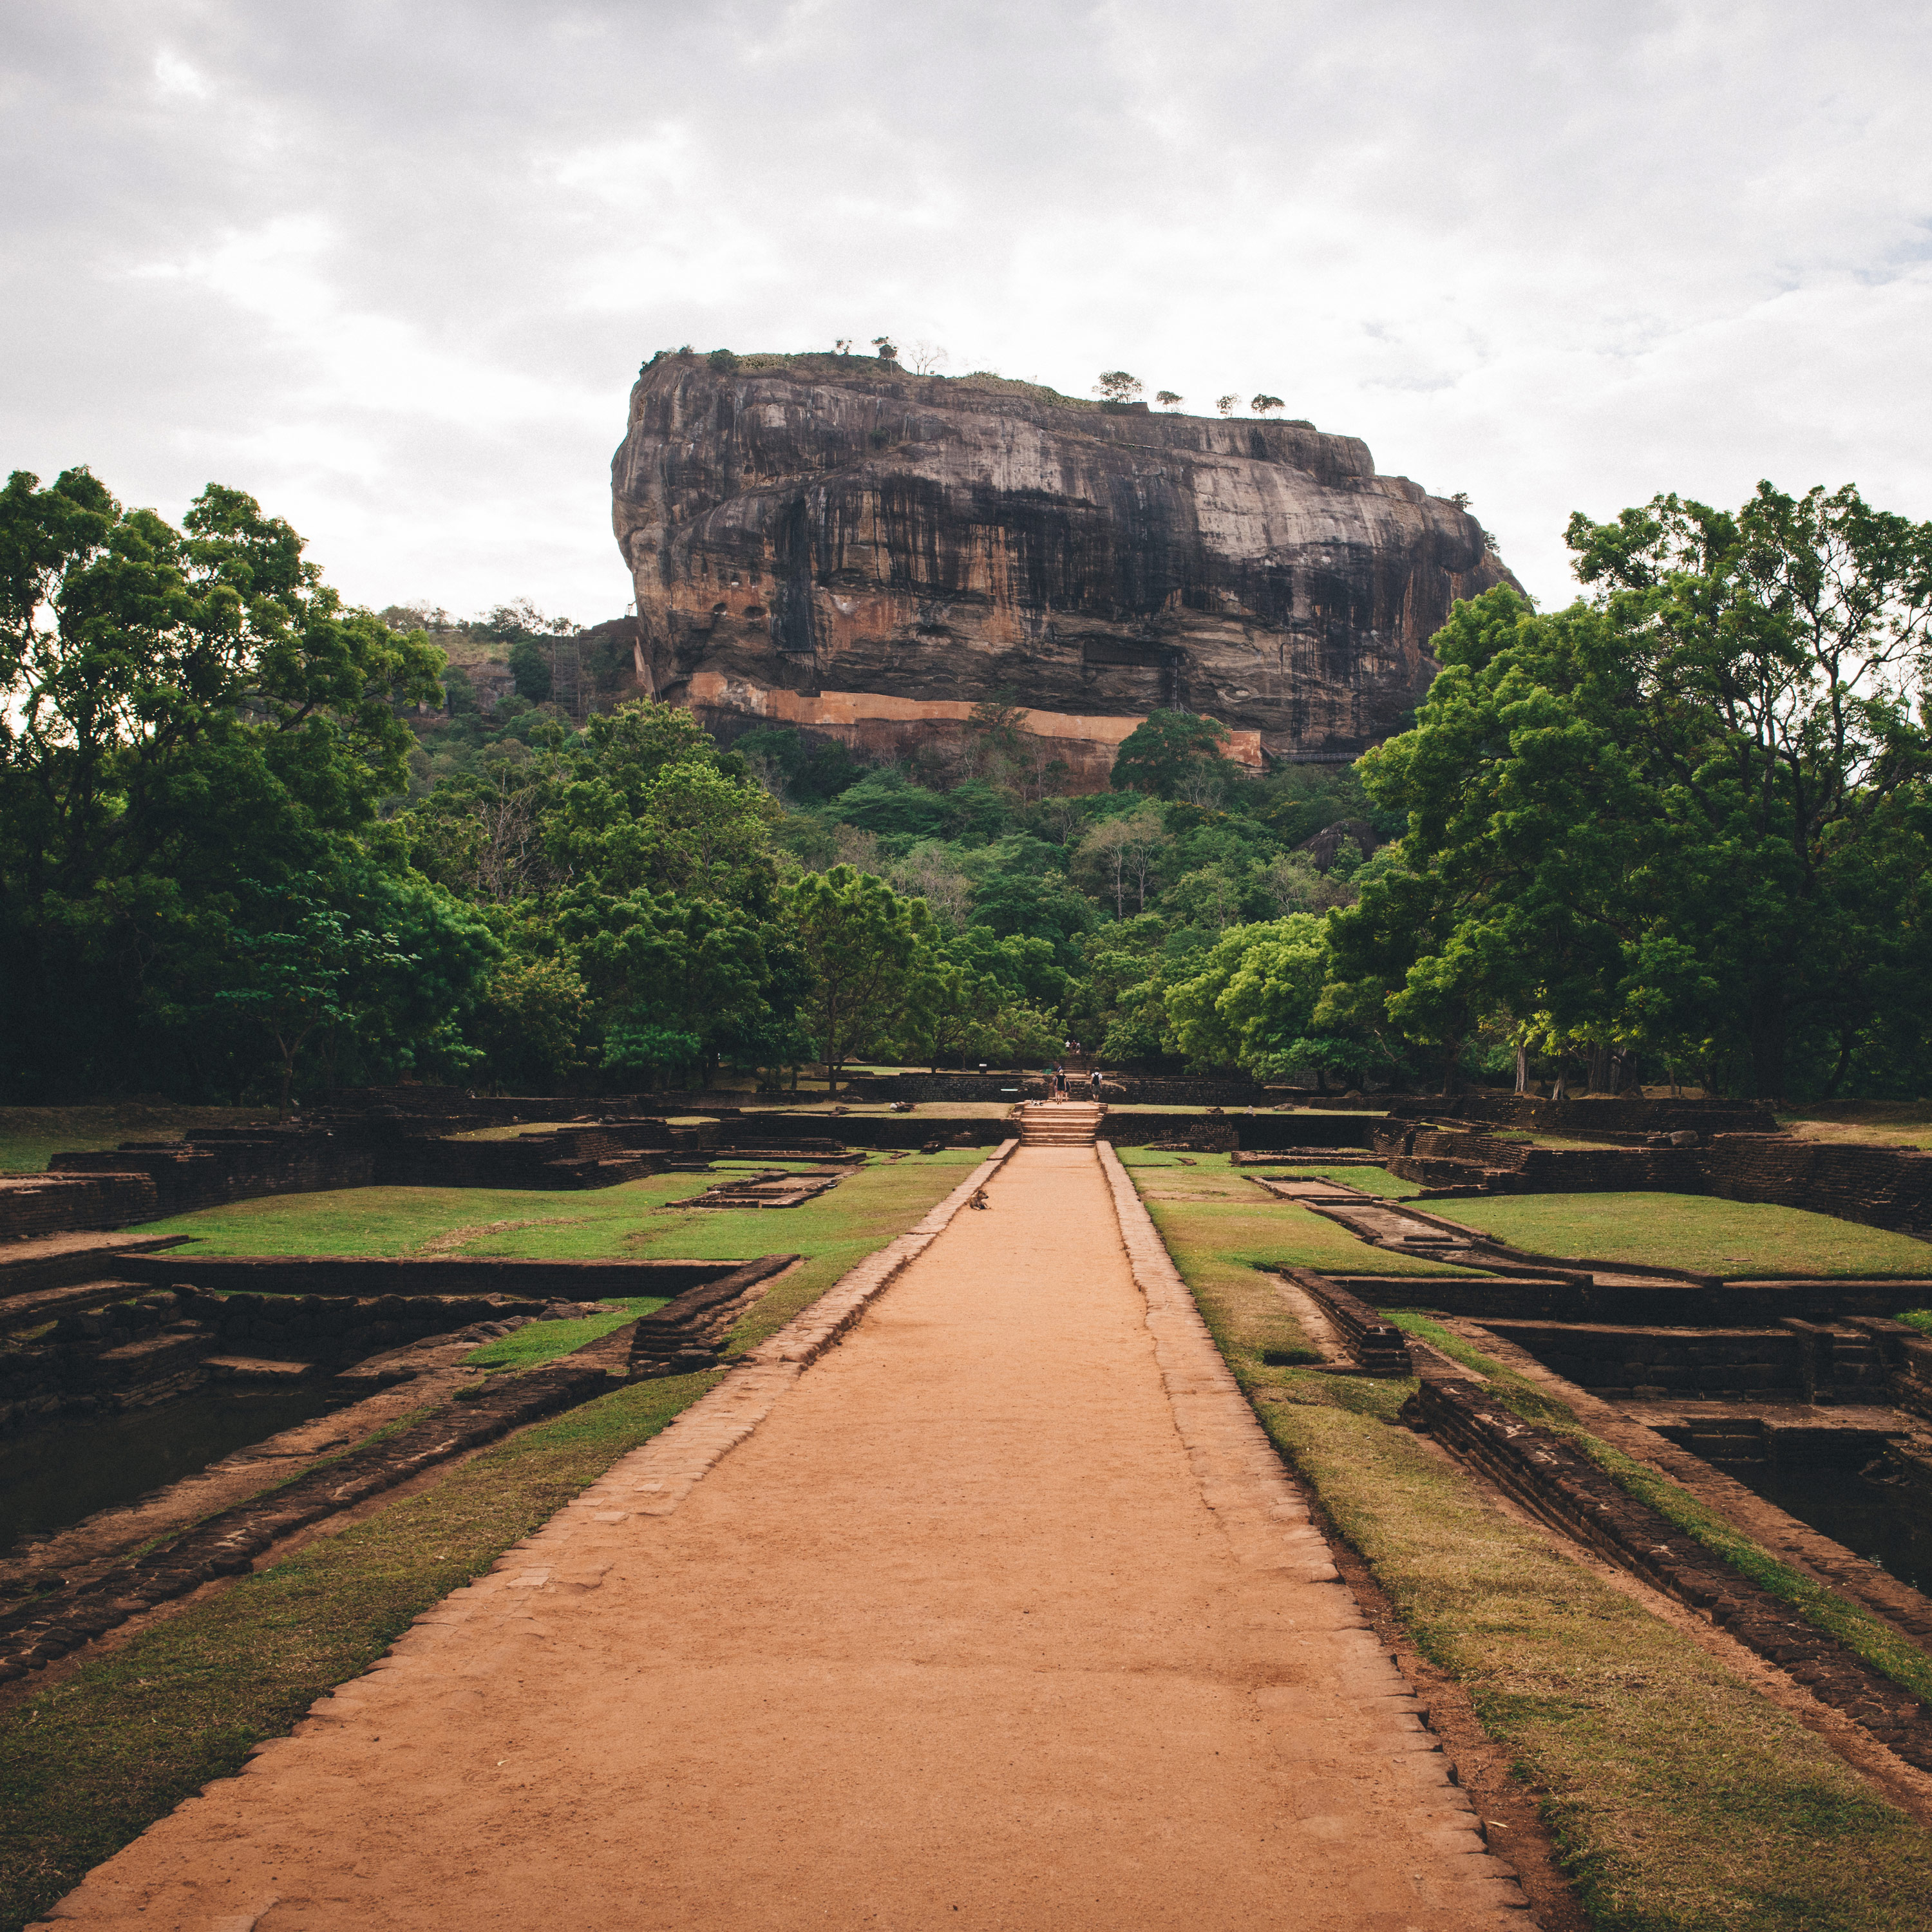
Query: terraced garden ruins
{"points": [[1182, 1508]]}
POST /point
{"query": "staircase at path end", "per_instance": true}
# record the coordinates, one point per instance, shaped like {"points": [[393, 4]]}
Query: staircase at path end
{"points": [[1061, 1123]]}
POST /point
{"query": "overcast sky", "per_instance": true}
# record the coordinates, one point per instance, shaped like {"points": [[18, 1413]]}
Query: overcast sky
{"points": [[391, 268]]}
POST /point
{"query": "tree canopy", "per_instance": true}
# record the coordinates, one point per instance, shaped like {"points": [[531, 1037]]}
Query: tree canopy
{"points": [[254, 842], [1686, 818]]}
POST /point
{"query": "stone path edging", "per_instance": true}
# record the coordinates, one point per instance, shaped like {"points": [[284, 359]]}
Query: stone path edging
{"points": [[1268, 1523], [654, 1479], [1240, 1474]]}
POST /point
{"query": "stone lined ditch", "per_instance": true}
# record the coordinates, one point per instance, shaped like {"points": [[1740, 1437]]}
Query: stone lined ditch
{"points": [[53, 1477], [166, 1443], [1806, 1393], [1880, 1511]]}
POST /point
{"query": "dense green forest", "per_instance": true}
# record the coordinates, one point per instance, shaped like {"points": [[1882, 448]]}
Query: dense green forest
{"points": [[254, 843]]}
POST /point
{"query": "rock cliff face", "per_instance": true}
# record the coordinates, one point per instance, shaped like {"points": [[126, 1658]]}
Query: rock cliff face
{"points": [[832, 542]]}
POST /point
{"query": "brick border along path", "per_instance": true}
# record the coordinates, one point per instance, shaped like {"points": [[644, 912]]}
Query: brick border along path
{"points": [[1001, 1615]]}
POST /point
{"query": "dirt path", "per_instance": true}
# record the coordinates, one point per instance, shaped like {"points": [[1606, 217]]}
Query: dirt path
{"points": [[1001, 1617]]}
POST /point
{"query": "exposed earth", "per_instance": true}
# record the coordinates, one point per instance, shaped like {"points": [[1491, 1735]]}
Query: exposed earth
{"points": [[1005, 1615]]}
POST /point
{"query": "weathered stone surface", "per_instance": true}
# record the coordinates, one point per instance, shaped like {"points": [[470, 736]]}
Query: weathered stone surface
{"points": [[832, 542]]}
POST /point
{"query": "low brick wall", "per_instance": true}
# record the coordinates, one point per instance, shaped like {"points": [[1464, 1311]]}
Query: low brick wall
{"points": [[1378, 1346], [369, 1276], [573, 1157], [1623, 1363], [313, 1326], [686, 1334], [1561, 1484], [212, 1170], [1727, 1305], [1590, 1115], [57, 1204], [1129, 1089], [1882, 1187]]}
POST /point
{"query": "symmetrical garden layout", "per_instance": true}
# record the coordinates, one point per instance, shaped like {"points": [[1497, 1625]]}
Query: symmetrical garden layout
{"points": [[1061, 1592]]}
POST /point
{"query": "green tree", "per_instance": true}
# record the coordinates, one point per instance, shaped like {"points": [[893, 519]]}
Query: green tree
{"points": [[531, 1023], [672, 978], [1688, 818], [530, 670], [376, 968], [1117, 387], [1255, 996], [182, 711], [1266, 405], [863, 946], [1166, 750]]}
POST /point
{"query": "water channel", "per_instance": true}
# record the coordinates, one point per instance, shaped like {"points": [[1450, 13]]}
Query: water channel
{"points": [[53, 1477], [1888, 1522]]}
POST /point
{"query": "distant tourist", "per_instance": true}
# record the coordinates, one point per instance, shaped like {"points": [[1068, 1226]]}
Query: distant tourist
{"points": [[1094, 1080]]}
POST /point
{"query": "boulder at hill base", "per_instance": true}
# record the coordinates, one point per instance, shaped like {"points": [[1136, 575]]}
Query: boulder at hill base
{"points": [[834, 543]]}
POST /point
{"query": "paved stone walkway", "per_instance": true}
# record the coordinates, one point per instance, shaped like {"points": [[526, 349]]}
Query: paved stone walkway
{"points": [[1000, 1614]]}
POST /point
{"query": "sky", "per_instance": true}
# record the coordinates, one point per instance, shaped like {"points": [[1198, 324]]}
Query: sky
{"points": [[391, 268]]}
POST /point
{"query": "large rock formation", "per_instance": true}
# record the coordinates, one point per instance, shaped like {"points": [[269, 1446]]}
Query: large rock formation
{"points": [[836, 543]]}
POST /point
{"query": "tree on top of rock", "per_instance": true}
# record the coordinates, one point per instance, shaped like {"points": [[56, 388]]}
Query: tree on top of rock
{"points": [[1116, 385], [1266, 405]]}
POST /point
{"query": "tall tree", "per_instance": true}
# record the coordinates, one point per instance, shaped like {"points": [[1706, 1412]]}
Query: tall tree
{"points": [[863, 945], [1166, 750], [181, 711], [1690, 816]]}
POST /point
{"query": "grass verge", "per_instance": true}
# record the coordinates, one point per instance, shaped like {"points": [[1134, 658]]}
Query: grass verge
{"points": [[1866, 1636], [1736, 1239], [89, 1762], [1680, 1800]]}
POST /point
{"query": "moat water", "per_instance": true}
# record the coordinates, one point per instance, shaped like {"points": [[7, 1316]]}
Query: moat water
{"points": [[1888, 1523], [55, 1476]]}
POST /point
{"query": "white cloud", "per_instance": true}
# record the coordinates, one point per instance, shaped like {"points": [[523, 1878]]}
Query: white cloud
{"points": [[392, 268]]}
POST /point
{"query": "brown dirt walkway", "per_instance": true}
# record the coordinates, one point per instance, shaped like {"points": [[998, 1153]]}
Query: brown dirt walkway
{"points": [[955, 1638]]}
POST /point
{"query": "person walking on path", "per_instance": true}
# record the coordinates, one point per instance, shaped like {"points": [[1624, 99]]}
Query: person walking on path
{"points": [[1093, 1080]]}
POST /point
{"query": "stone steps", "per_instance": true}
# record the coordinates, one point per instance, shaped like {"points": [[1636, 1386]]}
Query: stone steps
{"points": [[1061, 1123]]}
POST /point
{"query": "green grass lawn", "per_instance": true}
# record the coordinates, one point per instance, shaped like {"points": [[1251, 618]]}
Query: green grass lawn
{"points": [[1733, 1238], [1219, 1207], [1865, 1123], [31, 1136], [633, 1222], [1680, 1800]]}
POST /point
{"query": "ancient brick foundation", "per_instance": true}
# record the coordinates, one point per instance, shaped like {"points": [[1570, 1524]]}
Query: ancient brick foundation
{"points": [[1558, 1483], [1881, 1187]]}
